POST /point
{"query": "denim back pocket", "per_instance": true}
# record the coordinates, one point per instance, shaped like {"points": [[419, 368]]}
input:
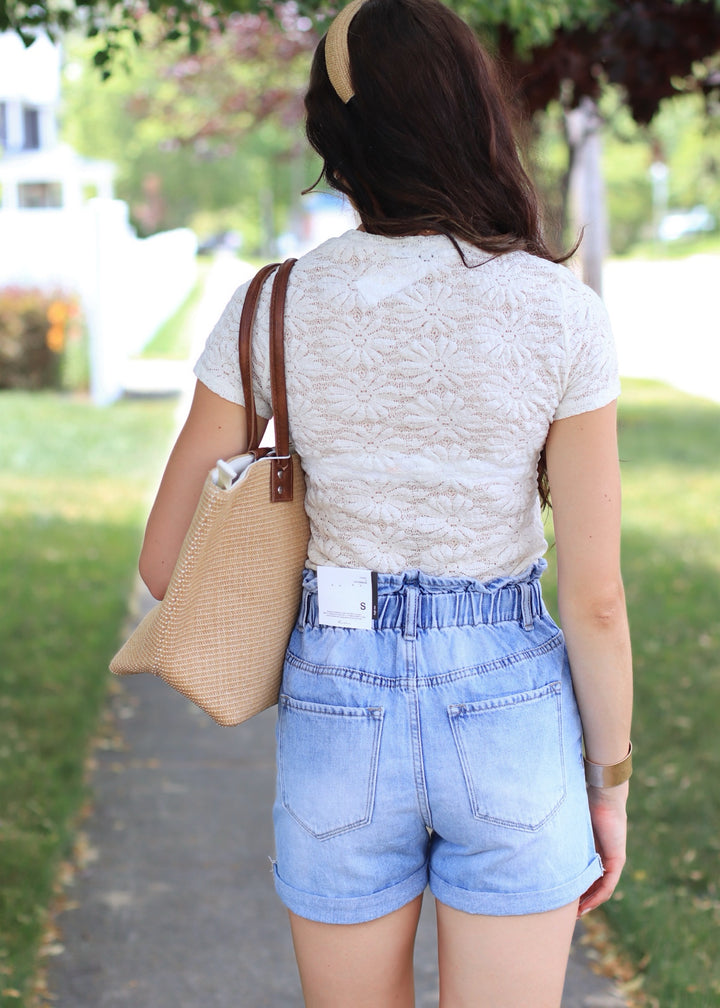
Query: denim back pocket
{"points": [[327, 764], [510, 749]]}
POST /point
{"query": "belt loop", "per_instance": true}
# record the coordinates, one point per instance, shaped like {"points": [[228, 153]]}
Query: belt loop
{"points": [[526, 600], [411, 610], [304, 614]]}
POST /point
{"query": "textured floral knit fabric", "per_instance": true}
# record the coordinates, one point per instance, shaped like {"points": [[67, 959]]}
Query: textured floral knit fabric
{"points": [[420, 393]]}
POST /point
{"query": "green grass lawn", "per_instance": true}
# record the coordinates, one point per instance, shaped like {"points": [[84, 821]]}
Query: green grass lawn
{"points": [[666, 913], [681, 248], [173, 339], [75, 483], [668, 908]]}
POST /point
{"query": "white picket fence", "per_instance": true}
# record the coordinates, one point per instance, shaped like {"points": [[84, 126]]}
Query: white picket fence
{"points": [[128, 286]]}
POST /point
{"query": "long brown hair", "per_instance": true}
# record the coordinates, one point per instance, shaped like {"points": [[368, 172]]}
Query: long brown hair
{"points": [[426, 143]]}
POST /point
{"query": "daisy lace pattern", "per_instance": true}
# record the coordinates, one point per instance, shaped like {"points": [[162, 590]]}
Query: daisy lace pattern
{"points": [[420, 393]]}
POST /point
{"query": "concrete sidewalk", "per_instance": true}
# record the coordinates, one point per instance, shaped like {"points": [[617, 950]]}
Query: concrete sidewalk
{"points": [[174, 905]]}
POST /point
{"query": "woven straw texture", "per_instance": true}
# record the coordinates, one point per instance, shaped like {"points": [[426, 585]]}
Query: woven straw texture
{"points": [[219, 635], [337, 57]]}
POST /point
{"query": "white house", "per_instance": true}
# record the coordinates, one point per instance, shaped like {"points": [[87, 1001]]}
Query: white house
{"points": [[60, 227], [36, 171], [29, 93]]}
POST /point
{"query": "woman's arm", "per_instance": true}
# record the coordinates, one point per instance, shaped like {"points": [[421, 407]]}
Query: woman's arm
{"points": [[215, 429], [584, 477]]}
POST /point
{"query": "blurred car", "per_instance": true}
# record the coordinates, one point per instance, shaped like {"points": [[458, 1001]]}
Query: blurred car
{"points": [[223, 241], [686, 222], [321, 215]]}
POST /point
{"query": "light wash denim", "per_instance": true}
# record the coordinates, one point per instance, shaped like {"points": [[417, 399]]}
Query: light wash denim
{"points": [[441, 747]]}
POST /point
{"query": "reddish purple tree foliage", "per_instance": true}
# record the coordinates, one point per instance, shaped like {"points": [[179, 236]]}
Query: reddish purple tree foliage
{"points": [[646, 47]]}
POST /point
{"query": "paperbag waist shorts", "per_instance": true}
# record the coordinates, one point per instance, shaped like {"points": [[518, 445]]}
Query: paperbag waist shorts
{"points": [[442, 747]]}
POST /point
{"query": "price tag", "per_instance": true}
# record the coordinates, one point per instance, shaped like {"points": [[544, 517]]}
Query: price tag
{"points": [[347, 597]]}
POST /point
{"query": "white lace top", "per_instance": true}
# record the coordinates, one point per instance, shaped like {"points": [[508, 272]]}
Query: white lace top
{"points": [[420, 393]]}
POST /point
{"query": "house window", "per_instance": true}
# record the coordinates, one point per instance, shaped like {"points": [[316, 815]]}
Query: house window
{"points": [[39, 195], [31, 128]]}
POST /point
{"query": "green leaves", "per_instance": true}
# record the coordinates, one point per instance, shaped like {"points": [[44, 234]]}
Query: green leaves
{"points": [[533, 22], [584, 42]]}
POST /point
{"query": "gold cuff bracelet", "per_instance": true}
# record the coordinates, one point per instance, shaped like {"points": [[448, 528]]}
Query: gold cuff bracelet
{"points": [[597, 775]]}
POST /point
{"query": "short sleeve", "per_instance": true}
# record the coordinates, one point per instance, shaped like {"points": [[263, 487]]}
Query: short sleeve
{"points": [[218, 367], [591, 379]]}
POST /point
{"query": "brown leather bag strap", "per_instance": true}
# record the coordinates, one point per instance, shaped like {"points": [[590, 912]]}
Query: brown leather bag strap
{"points": [[281, 487], [247, 319]]}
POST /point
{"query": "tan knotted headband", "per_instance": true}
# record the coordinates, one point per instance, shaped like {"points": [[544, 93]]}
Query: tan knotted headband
{"points": [[337, 57]]}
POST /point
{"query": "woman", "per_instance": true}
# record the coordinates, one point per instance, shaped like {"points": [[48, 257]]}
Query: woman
{"points": [[436, 358]]}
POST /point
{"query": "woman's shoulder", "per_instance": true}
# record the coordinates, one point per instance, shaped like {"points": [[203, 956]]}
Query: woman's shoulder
{"points": [[337, 249], [528, 267], [548, 281]]}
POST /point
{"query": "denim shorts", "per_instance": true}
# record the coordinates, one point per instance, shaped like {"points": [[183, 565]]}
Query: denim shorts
{"points": [[442, 747]]}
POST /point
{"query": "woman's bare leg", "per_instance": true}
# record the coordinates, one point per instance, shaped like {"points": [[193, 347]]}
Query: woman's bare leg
{"points": [[358, 965], [503, 962]]}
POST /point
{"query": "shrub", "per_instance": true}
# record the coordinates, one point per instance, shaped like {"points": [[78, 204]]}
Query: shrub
{"points": [[34, 329]]}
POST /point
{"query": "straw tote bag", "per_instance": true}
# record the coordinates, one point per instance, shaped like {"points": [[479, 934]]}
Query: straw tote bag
{"points": [[219, 635]]}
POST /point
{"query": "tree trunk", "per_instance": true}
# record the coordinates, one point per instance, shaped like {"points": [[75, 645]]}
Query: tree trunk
{"points": [[586, 188]]}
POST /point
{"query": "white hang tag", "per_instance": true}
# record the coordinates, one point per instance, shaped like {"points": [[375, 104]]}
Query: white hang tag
{"points": [[347, 597]]}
